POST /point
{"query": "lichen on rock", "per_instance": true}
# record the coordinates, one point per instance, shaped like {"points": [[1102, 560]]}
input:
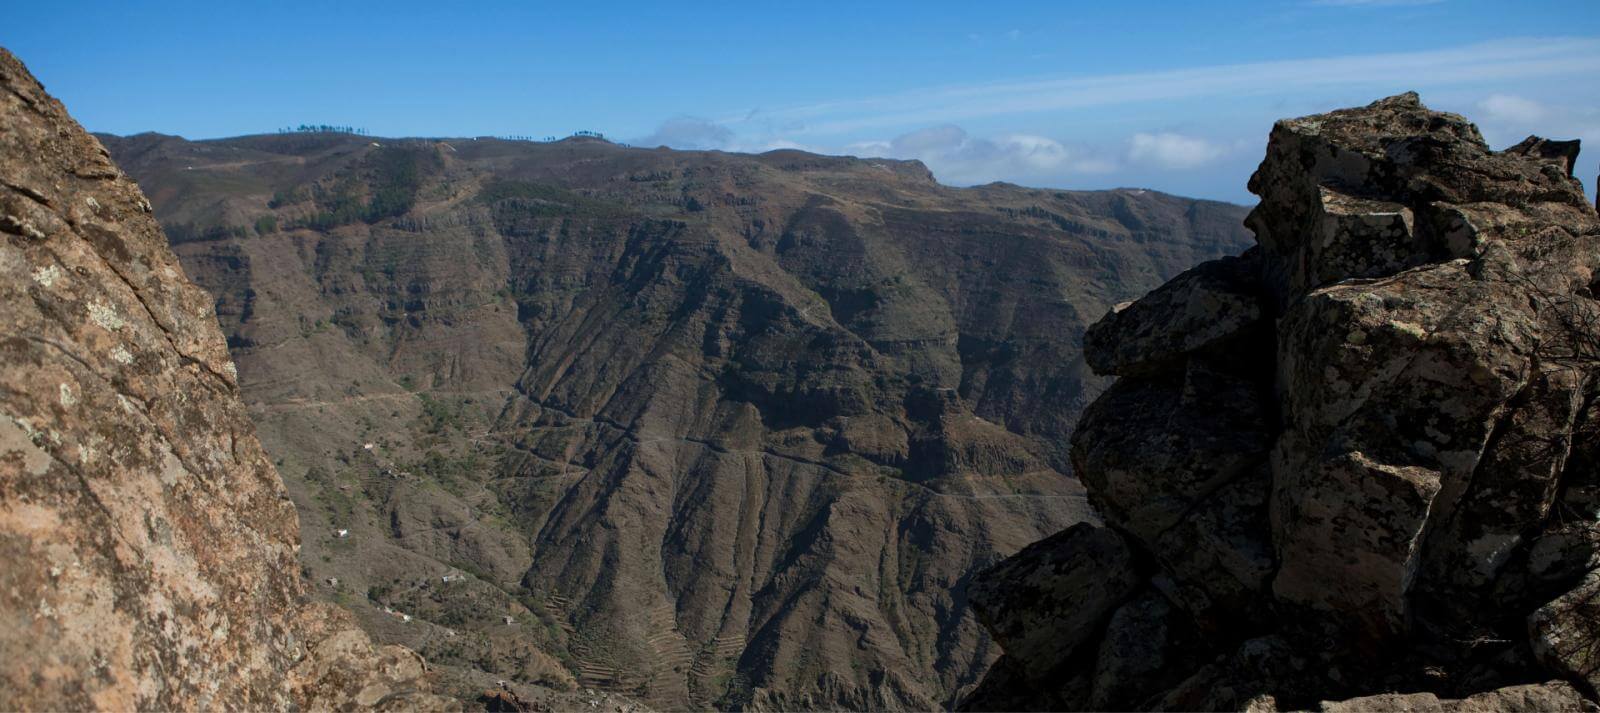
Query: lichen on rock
{"points": [[147, 546]]}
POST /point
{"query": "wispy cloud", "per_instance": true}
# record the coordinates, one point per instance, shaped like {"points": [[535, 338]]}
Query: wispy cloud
{"points": [[960, 158], [1170, 150], [1476, 63], [688, 132], [700, 134], [1511, 108]]}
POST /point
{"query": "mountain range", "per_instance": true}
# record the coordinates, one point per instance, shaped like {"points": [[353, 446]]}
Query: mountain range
{"points": [[701, 428]]}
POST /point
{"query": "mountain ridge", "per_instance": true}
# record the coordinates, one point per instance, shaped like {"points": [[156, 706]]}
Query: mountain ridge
{"points": [[753, 393]]}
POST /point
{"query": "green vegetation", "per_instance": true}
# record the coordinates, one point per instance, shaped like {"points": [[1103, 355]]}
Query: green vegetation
{"points": [[340, 206], [379, 592], [438, 416], [505, 190], [520, 199], [451, 474], [336, 502], [384, 186], [266, 224], [292, 196], [178, 233], [317, 475], [396, 180], [308, 328]]}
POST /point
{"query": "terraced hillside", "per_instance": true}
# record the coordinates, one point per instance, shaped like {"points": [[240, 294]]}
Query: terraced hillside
{"points": [[705, 428]]}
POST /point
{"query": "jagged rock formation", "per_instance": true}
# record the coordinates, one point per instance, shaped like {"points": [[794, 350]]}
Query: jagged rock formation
{"points": [[147, 546], [1357, 462], [712, 429]]}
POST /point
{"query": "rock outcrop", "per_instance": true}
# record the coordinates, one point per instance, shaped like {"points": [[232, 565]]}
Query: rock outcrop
{"points": [[1356, 462], [1556, 695], [147, 546]]}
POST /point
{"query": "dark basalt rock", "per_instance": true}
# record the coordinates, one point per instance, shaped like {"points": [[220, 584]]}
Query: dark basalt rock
{"points": [[1048, 600], [1395, 508], [1205, 307]]}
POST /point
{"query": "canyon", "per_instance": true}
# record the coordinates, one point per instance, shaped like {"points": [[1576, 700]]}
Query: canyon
{"points": [[698, 428], [415, 424]]}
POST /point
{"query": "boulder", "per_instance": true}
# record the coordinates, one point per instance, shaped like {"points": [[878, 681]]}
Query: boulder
{"points": [[1151, 448], [1219, 558], [1514, 486], [1529, 698], [1391, 390], [1172, 462], [1565, 633], [1196, 310], [1141, 651], [1046, 602], [1340, 192], [341, 669]]}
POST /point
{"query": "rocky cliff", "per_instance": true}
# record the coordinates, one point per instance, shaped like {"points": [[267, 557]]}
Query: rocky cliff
{"points": [[712, 429], [1357, 462], [147, 546]]}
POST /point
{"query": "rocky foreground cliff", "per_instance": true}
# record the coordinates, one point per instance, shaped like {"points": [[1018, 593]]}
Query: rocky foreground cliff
{"points": [[710, 429], [147, 546], [1360, 461]]}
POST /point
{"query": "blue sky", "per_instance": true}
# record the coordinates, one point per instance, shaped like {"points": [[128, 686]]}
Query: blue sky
{"points": [[1172, 96]]}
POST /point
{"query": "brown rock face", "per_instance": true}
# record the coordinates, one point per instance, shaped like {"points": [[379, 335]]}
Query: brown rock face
{"points": [[147, 546], [1361, 457]]}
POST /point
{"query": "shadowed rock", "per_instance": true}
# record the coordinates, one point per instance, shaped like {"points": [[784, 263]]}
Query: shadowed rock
{"points": [[1566, 632], [1200, 308], [1048, 600], [1392, 485]]}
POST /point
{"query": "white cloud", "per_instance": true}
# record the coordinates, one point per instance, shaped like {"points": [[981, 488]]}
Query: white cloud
{"points": [[1170, 150], [959, 158], [774, 145], [688, 132], [696, 134], [1511, 108], [1504, 60], [881, 149], [1037, 152]]}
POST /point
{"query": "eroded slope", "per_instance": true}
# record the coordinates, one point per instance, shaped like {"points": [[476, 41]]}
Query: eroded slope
{"points": [[715, 429]]}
